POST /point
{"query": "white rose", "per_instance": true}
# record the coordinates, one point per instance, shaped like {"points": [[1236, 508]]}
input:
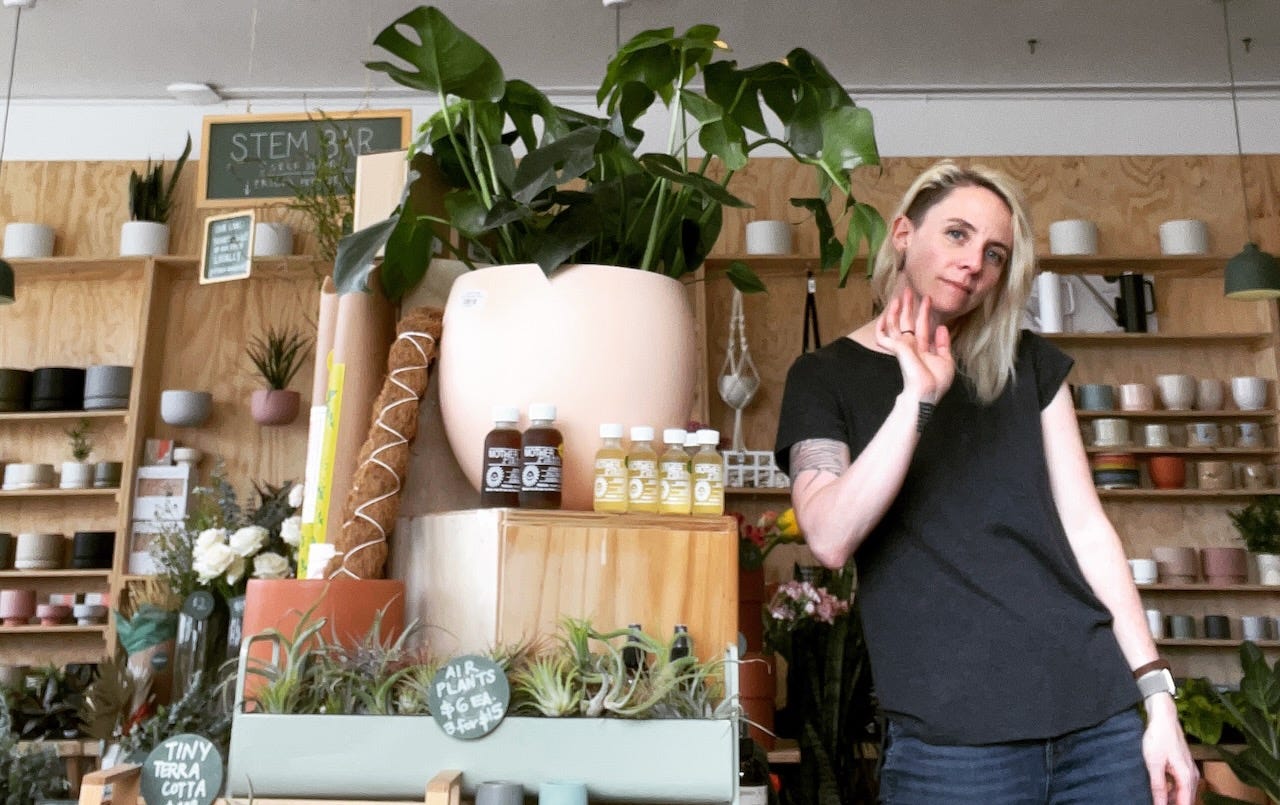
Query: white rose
{"points": [[269, 565], [235, 571], [210, 536], [295, 496], [291, 530], [248, 540], [210, 563]]}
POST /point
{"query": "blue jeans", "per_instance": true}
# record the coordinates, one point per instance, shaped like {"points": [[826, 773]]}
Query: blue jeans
{"points": [[1100, 765]]}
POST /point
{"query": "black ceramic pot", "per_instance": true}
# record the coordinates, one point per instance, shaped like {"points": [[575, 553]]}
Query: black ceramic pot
{"points": [[92, 550], [57, 388], [15, 389]]}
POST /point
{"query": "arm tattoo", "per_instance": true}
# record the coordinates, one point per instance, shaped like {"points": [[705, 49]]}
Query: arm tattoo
{"points": [[821, 455]]}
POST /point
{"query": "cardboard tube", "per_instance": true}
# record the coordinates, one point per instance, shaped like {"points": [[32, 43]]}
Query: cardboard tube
{"points": [[325, 332]]}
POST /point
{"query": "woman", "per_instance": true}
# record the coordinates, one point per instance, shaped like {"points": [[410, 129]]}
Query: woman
{"points": [[1004, 631]]}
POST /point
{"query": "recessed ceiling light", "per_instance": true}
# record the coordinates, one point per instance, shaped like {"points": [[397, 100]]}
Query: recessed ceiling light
{"points": [[21, 3], [192, 93]]}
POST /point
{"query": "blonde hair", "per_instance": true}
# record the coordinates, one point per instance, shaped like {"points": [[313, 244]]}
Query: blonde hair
{"points": [[985, 340]]}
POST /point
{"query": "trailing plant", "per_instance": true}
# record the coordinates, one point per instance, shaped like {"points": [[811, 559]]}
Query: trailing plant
{"points": [[81, 444], [327, 195], [583, 191], [150, 198], [27, 774], [1259, 524], [1257, 712], [278, 355]]}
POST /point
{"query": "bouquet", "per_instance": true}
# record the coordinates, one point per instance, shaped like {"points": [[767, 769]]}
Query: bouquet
{"points": [[757, 540]]}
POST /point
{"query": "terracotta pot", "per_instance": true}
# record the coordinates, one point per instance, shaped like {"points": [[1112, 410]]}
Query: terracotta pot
{"points": [[17, 607], [1176, 565], [1218, 777], [1168, 472], [274, 406], [517, 337], [750, 607], [757, 690], [349, 607], [1225, 565]]}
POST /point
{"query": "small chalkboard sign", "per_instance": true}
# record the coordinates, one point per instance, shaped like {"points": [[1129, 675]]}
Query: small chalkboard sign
{"points": [[183, 770], [469, 696], [227, 252], [260, 158]]}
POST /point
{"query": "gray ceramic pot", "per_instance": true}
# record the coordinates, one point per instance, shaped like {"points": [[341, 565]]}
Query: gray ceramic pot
{"points": [[185, 409], [107, 387], [106, 474], [15, 389], [39, 551]]}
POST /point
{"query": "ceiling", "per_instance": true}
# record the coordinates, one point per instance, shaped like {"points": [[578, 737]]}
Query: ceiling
{"points": [[131, 49]]}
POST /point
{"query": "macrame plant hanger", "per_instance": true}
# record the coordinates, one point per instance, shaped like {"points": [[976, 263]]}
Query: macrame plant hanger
{"points": [[739, 379], [811, 313]]}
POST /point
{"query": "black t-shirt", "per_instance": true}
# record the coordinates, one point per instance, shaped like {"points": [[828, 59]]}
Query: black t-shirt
{"points": [[979, 622]]}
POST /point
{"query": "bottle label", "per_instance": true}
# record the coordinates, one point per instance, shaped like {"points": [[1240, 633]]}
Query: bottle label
{"points": [[541, 471], [675, 482], [611, 480], [708, 482], [643, 484], [502, 469], [753, 795]]}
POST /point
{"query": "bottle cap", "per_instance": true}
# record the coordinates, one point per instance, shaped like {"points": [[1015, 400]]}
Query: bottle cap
{"points": [[642, 433], [611, 430], [691, 439], [673, 436], [506, 413], [680, 627], [710, 437], [542, 411]]}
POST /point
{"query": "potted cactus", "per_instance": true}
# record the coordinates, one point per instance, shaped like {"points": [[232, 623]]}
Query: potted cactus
{"points": [[150, 203], [277, 355]]}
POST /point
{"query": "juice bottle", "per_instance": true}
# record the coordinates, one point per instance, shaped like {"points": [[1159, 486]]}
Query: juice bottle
{"points": [[500, 484], [673, 474], [642, 471], [541, 454], [691, 442], [708, 474], [609, 493]]}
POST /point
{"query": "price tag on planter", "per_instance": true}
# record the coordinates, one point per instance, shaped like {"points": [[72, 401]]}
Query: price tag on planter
{"points": [[469, 697], [184, 770]]}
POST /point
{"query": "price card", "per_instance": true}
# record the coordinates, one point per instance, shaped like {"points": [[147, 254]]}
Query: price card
{"points": [[469, 697], [184, 770]]}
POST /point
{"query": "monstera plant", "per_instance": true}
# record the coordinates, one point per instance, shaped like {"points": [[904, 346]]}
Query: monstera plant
{"points": [[532, 182]]}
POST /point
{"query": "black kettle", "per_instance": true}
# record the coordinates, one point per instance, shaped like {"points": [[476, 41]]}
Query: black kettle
{"points": [[1131, 305]]}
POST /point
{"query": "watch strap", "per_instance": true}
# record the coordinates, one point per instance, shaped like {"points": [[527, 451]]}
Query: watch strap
{"points": [[1159, 680], [1155, 665]]}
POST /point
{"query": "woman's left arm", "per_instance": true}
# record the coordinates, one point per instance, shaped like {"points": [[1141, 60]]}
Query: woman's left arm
{"points": [[1101, 558]]}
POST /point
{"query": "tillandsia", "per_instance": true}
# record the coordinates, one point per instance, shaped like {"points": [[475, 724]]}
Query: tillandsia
{"points": [[549, 686]]}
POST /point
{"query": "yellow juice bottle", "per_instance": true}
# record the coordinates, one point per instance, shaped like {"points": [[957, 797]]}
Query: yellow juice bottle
{"points": [[673, 474], [642, 471], [708, 474], [610, 490]]}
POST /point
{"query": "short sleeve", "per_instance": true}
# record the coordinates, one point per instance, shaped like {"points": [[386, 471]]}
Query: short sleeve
{"points": [[1052, 366], [810, 409]]}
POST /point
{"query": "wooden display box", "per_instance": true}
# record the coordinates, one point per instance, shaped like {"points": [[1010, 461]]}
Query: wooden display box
{"points": [[484, 577]]}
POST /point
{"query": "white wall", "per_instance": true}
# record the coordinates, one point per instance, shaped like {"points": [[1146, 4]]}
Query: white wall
{"points": [[960, 124]]}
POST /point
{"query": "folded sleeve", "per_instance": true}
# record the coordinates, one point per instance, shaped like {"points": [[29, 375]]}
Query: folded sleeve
{"points": [[810, 409]]}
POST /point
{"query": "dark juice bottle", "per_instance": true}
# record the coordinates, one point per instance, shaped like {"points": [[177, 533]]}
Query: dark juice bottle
{"points": [[542, 450], [500, 477]]}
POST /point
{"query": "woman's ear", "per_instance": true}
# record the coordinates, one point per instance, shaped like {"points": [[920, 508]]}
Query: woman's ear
{"points": [[900, 232]]}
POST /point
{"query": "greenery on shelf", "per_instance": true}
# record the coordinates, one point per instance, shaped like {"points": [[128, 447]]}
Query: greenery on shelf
{"points": [[278, 355], [49, 705], [1257, 712], [204, 710], [81, 444], [584, 191], [27, 774], [1259, 524], [326, 197], [1202, 714], [150, 198]]}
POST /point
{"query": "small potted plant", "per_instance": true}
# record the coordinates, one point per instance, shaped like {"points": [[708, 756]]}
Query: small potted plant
{"points": [[278, 356], [78, 474], [1259, 527], [150, 203]]}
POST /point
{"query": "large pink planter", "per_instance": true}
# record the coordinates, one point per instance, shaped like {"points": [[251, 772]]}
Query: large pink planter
{"points": [[603, 344]]}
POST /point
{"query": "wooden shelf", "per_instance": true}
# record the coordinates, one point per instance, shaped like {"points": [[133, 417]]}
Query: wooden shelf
{"points": [[1265, 413], [263, 267], [55, 492], [53, 630], [1187, 451], [62, 269], [1197, 265], [1208, 588], [1255, 339], [762, 491], [1204, 642], [54, 574], [60, 416], [1175, 494]]}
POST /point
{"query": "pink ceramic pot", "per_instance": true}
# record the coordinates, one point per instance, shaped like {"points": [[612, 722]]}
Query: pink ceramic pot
{"points": [[601, 343], [1176, 565], [1225, 565], [274, 406], [53, 614], [17, 607]]}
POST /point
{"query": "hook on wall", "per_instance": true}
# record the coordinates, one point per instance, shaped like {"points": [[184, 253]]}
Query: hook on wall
{"points": [[1031, 46]]}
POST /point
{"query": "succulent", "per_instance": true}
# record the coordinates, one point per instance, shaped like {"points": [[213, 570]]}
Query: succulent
{"points": [[278, 355]]}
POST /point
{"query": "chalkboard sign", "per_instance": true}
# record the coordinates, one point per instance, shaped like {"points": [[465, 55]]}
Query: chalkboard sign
{"points": [[184, 770], [260, 157], [469, 696], [227, 253]]}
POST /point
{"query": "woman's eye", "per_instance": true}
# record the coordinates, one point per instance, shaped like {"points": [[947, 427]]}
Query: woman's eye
{"points": [[996, 257], [955, 234]]}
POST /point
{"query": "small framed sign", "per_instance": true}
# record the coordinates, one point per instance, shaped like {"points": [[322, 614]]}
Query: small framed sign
{"points": [[227, 251]]}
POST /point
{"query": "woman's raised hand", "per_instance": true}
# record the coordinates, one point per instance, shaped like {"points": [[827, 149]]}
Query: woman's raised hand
{"points": [[923, 351]]}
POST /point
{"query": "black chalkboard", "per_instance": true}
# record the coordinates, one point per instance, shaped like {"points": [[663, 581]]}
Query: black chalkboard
{"points": [[183, 770], [257, 157], [469, 696], [227, 252]]}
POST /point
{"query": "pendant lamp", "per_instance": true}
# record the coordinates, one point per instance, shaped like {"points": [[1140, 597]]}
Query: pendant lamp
{"points": [[7, 295], [1252, 274]]}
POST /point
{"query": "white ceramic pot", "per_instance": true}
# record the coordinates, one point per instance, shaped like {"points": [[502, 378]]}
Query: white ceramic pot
{"points": [[28, 476], [185, 409], [768, 237], [272, 239], [603, 344], [1268, 569], [76, 475], [143, 238], [1187, 236], [1074, 236], [28, 240], [40, 551]]}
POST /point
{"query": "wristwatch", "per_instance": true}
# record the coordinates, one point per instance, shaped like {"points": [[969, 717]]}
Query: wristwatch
{"points": [[1155, 677]]}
